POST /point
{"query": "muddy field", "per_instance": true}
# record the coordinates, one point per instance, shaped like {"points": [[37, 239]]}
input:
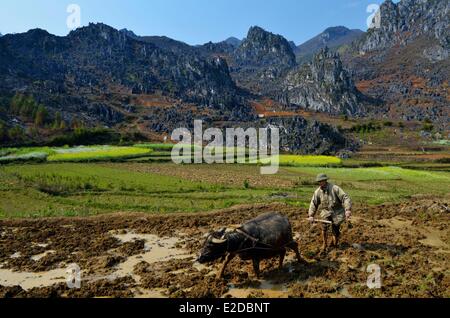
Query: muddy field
{"points": [[138, 255]]}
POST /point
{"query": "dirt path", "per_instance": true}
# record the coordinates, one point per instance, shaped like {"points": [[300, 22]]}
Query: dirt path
{"points": [[138, 255]]}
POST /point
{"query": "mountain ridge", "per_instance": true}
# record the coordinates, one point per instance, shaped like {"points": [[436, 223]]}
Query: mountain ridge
{"points": [[103, 76], [332, 38], [404, 61], [64, 66]]}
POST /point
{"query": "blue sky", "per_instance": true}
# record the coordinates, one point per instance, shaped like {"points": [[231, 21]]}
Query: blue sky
{"points": [[191, 21]]}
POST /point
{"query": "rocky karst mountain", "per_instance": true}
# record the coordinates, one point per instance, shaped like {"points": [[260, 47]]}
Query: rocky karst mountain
{"points": [[129, 33], [322, 85], [261, 59], [332, 38], [406, 21], [297, 135], [235, 42], [404, 60], [223, 49], [168, 44], [300, 136], [261, 48], [101, 76], [264, 64], [75, 72]]}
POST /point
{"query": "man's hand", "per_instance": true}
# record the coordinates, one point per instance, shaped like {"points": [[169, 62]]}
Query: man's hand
{"points": [[348, 215], [311, 219]]}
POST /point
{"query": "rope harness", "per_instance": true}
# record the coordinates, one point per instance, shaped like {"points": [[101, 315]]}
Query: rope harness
{"points": [[255, 243]]}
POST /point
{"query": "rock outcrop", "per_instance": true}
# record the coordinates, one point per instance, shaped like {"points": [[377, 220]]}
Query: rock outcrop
{"points": [[261, 60], [403, 60], [322, 85], [297, 135], [402, 23], [264, 49]]}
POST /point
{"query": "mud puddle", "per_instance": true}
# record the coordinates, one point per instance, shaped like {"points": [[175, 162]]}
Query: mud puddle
{"points": [[156, 249], [28, 281], [432, 236], [433, 239]]}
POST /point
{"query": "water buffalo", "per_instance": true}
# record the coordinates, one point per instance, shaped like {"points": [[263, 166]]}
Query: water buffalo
{"points": [[264, 237]]}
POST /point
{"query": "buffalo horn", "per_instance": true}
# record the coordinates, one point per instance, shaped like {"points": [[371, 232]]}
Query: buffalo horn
{"points": [[218, 241]]}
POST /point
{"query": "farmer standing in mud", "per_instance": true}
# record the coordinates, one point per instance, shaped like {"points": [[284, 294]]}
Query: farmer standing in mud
{"points": [[334, 205]]}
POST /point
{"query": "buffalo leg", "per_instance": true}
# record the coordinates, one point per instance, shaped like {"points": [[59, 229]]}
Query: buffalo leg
{"points": [[294, 246], [228, 259], [256, 267], [282, 255]]}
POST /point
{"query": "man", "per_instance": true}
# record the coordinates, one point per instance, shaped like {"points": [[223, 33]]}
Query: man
{"points": [[334, 205]]}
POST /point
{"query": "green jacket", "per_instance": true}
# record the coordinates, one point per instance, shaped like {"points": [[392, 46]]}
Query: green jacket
{"points": [[332, 200]]}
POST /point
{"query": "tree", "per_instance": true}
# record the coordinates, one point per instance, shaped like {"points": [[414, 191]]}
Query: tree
{"points": [[15, 133], [3, 132], [427, 125], [63, 125], [4, 104], [58, 121], [32, 131], [16, 103], [28, 107], [24, 106], [75, 123], [41, 116]]}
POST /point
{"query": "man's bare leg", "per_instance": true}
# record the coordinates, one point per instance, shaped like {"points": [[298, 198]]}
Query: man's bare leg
{"points": [[336, 235], [323, 250]]}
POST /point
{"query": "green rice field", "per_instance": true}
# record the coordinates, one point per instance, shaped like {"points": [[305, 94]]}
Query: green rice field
{"points": [[73, 189]]}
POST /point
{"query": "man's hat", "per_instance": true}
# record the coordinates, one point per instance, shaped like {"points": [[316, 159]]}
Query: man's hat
{"points": [[322, 177]]}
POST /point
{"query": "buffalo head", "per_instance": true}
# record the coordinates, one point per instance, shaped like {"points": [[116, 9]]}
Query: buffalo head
{"points": [[214, 247]]}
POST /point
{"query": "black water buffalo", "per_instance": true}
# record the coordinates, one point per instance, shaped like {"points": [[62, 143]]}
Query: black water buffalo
{"points": [[264, 237]]}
